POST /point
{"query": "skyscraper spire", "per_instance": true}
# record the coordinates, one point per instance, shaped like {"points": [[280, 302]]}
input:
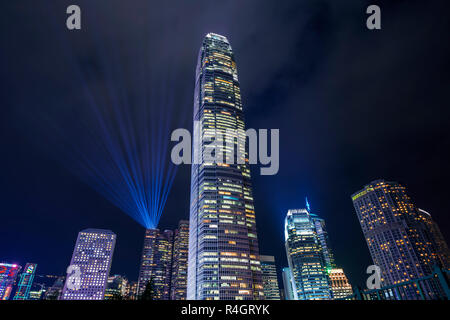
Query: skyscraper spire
{"points": [[307, 205]]}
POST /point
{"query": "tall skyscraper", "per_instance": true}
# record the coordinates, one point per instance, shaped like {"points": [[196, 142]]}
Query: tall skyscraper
{"points": [[54, 291], [156, 264], [180, 261], [396, 235], [306, 257], [91, 261], [288, 284], [25, 282], [270, 278], [223, 243], [340, 286], [441, 247], [8, 275]]}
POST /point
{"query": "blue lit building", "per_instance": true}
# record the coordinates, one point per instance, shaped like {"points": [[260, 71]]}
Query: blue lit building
{"points": [[288, 284], [25, 282], [306, 257]]}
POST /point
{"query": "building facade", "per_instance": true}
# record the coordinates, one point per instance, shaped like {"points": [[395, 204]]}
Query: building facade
{"points": [[8, 275], [288, 284], [396, 235], [223, 243], [116, 288], [441, 247], [54, 291], [25, 282], [340, 286], [270, 278], [306, 257], [180, 261], [90, 265], [156, 264]]}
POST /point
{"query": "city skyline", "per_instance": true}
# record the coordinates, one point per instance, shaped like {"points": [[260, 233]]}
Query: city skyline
{"points": [[343, 122], [164, 256]]}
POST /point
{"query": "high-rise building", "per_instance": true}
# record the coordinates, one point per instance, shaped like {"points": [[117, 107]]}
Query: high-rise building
{"points": [[25, 282], [180, 261], [396, 235], [441, 248], [156, 264], [90, 263], [288, 284], [324, 240], [223, 243], [270, 278], [306, 256], [116, 287], [340, 286], [8, 275]]}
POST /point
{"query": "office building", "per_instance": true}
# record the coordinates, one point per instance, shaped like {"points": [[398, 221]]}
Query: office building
{"points": [[441, 247], [223, 261], [180, 261], [270, 278], [396, 235], [90, 265], [306, 257], [340, 286], [116, 288], [156, 264], [8, 275], [25, 282], [288, 284]]}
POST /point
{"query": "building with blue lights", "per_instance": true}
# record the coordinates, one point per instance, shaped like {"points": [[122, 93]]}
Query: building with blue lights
{"points": [[156, 264], [8, 275], [306, 257], [224, 259], [270, 278]]}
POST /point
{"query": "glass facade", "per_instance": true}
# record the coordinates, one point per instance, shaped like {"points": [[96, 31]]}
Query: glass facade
{"points": [[180, 258], [306, 257], [156, 263], [270, 278], [93, 255], [223, 244], [396, 235], [288, 284]]}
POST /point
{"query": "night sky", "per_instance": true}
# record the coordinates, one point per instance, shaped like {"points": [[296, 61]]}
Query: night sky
{"points": [[352, 106]]}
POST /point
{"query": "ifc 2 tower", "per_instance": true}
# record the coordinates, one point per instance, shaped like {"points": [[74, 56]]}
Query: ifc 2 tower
{"points": [[223, 261]]}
